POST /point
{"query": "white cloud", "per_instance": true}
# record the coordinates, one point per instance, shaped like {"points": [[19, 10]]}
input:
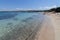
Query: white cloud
{"points": [[47, 7], [18, 8], [41, 8]]}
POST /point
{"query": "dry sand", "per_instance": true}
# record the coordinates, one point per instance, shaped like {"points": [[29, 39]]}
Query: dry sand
{"points": [[47, 31], [56, 22], [50, 31]]}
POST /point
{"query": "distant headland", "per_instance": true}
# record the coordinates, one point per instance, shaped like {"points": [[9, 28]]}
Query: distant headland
{"points": [[57, 9]]}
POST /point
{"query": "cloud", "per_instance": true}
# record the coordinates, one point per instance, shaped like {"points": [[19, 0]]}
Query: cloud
{"points": [[24, 9], [40, 8], [47, 7]]}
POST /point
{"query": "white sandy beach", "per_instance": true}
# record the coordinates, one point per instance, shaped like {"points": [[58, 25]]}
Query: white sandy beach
{"points": [[48, 31], [56, 22], [45, 27]]}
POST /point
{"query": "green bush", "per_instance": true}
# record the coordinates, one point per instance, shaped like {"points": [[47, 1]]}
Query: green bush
{"points": [[53, 9], [57, 9]]}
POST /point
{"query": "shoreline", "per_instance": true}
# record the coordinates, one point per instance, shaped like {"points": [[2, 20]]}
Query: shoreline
{"points": [[55, 17]]}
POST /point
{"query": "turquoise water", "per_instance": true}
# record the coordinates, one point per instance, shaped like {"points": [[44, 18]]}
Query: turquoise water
{"points": [[10, 15], [19, 24], [14, 25], [8, 20]]}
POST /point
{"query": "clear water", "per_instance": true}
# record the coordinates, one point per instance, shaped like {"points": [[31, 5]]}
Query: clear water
{"points": [[8, 20]]}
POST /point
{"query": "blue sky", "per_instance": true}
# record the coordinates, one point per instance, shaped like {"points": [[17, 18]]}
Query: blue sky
{"points": [[28, 4]]}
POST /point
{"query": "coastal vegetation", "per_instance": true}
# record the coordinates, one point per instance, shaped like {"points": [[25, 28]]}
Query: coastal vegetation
{"points": [[57, 9]]}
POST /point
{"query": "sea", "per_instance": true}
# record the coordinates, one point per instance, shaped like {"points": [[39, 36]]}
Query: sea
{"points": [[10, 20]]}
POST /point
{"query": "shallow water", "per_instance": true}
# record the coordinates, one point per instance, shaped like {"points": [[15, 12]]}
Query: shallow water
{"points": [[11, 20]]}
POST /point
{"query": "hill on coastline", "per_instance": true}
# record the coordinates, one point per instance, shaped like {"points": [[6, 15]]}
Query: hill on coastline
{"points": [[55, 9]]}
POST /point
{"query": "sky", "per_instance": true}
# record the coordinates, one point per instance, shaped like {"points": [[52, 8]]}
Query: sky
{"points": [[28, 4]]}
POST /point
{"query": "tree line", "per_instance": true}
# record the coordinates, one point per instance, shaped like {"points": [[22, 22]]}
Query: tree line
{"points": [[55, 9]]}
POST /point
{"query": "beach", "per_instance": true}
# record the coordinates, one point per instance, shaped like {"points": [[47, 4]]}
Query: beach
{"points": [[50, 28], [36, 27], [56, 22], [50, 32]]}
